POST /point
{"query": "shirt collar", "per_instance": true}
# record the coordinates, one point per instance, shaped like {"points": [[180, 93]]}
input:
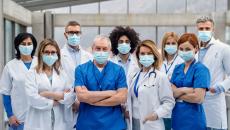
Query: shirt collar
{"points": [[70, 49], [211, 42], [120, 60]]}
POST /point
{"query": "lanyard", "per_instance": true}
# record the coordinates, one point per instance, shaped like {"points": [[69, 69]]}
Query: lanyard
{"points": [[167, 70], [136, 88]]}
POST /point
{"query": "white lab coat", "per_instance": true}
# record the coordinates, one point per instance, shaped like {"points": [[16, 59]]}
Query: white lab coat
{"points": [[218, 63], [68, 63], [165, 67], [69, 66], [39, 113], [13, 83], [154, 95], [133, 65]]}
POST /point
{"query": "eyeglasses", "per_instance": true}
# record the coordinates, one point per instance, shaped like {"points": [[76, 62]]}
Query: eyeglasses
{"points": [[49, 52], [123, 41], [171, 43], [74, 32]]}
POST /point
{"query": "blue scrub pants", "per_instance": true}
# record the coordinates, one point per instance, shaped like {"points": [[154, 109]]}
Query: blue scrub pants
{"points": [[168, 123], [214, 129], [20, 127]]}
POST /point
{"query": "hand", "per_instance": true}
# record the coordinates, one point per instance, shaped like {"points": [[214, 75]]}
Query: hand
{"points": [[127, 114], [14, 121], [150, 117], [44, 94], [56, 103], [75, 106], [67, 90], [217, 89]]}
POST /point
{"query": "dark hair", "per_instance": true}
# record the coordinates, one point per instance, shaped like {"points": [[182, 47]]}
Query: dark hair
{"points": [[71, 23], [19, 38], [121, 31], [189, 37]]}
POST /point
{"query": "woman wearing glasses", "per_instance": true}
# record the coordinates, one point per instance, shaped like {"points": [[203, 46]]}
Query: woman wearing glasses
{"points": [[47, 90]]}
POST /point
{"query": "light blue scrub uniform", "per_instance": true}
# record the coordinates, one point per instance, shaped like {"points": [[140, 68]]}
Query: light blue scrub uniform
{"points": [[185, 115], [112, 77]]}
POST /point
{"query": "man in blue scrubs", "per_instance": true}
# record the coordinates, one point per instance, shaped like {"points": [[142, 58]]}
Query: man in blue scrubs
{"points": [[101, 88]]}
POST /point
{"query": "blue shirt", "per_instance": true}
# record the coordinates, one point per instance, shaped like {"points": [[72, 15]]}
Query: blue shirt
{"points": [[125, 66], [185, 115], [92, 117], [75, 54]]}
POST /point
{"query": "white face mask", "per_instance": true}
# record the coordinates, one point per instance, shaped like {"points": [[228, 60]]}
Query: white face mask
{"points": [[205, 36]]}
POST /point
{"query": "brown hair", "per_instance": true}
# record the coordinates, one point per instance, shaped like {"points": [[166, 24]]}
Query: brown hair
{"points": [[71, 23], [152, 46], [42, 46], [164, 40], [189, 37]]}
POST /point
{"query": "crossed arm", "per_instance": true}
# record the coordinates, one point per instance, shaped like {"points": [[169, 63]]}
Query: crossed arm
{"points": [[192, 95], [54, 95], [101, 98]]}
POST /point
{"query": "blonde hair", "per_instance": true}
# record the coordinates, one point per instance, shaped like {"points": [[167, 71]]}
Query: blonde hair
{"points": [[152, 46], [164, 40], [42, 46]]}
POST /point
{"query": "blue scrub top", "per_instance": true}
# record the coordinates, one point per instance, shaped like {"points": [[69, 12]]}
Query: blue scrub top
{"points": [[185, 115], [92, 117]]}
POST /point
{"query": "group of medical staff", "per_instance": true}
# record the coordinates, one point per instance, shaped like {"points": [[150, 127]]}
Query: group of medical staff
{"points": [[123, 84]]}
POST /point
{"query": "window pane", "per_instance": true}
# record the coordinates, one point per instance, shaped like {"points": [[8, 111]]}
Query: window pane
{"points": [[162, 30], [146, 33], [88, 35], [86, 8], [221, 5], [171, 6], [59, 36], [200, 6], [142, 6], [192, 29], [106, 30], [114, 6], [9, 53]]}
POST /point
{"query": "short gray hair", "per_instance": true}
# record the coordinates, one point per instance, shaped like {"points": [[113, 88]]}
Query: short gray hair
{"points": [[102, 37], [204, 19]]}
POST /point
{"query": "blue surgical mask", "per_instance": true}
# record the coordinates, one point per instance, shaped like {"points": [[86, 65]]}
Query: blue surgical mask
{"points": [[49, 59], [171, 49], [100, 56], [205, 36], [146, 60], [124, 48], [25, 50], [186, 55], [73, 40]]}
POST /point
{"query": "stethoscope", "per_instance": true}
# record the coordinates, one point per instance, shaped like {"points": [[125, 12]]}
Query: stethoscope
{"points": [[167, 70], [136, 87]]}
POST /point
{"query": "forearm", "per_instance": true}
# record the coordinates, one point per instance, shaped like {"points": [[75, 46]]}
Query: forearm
{"points": [[177, 92], [94, 96], [53, 95], [192, 98], [115, 100], [7, 105]]}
